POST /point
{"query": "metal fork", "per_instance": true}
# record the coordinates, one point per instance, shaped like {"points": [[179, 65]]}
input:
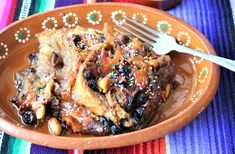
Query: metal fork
{"points": [[163, 43]]}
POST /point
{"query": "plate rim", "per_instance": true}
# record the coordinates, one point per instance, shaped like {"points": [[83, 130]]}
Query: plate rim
{"points": [[176, 122]]}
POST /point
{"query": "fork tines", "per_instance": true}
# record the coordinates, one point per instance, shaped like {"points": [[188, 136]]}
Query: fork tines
{"points": [[147, 32]]}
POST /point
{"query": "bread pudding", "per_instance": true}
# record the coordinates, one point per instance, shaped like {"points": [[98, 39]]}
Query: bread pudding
{"points": [[92, 82]]}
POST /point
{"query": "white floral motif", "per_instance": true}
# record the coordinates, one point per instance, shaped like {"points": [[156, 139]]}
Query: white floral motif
{"points": [[118, 14], [94, 17], [179, 39], [70, 20], [195, 95], [137, 17], [50, 20], [203, 75], [164, 27], [22, 35], [3, 51], [196, 59]]}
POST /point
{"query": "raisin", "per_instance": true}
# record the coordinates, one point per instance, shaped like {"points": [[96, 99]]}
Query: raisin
{"points": [[139, 112], [54, 108], [101, 39], [116, 129], [77, 40], [33, 57], [89, 75], [56, 60], [30, 70], [136, 120], [14, 101], [84, 46], [19, 86], [28, 117], [129, 103], [124, 68], [93, 85], [146, 48], [142, 99], [112, 50], [105, 122], [63, 124], [125, 39]]}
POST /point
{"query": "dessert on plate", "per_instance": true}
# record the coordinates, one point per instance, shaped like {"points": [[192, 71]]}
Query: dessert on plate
{"points": [[92, 82]]}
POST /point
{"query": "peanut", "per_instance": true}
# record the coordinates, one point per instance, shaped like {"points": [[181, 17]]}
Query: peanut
{"points": [[54, 126], [128, 123], [167, 91], [103, 84], [41, 112], [154, 62]]}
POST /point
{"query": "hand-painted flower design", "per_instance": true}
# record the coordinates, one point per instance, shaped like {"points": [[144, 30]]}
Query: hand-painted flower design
{"points": [[118, 17], [22, 35], [164, 27], [70, 20], [203, 75], [3, 51], [197, 60], [94, 17], [50, 23], [183, 38], [140, 17], [196, 95]]}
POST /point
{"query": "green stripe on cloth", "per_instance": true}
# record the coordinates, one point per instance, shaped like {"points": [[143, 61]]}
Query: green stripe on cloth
{"points": [[43, 5], [18, 146]]}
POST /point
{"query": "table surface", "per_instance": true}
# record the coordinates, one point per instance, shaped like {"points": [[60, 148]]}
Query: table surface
{"points": [[213, 131]]}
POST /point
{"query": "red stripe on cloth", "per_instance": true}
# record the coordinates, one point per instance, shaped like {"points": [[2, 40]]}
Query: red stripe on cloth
{"points": [[70, 151], [7, 12], [12, 12], [157, 146], [80, 151]]}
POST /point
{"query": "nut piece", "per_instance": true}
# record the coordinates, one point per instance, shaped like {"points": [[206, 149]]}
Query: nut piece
{"points": [[103, 84], [154, 62], [167, 91], [128, 123], [54, 126], [41, 112]]}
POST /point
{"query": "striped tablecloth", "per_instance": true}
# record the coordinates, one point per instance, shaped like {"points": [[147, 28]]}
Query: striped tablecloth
{"points": [[213, 131]]}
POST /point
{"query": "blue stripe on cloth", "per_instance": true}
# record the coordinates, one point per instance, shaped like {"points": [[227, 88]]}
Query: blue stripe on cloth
{"points": [[59, 3], [37, 149], [214, 130]]}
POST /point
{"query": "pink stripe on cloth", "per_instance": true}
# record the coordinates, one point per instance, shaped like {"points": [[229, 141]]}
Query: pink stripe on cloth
{"points": [[4, 12], [2, 6]]}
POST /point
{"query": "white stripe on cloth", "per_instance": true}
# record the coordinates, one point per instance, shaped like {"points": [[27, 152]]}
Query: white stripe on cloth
{"points": [[168, 149], [28, 148], [232, 4], [1, 138], [51, 4], [25, 9]]}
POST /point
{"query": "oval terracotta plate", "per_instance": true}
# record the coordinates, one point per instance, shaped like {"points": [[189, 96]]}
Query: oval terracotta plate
{"points": [[199, 78]]}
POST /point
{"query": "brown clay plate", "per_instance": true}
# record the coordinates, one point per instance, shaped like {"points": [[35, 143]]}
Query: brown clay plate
{"points": [[199, 78]]}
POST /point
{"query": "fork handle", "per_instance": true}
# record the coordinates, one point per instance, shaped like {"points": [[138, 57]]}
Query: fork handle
{"points": [[227, 63]]}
